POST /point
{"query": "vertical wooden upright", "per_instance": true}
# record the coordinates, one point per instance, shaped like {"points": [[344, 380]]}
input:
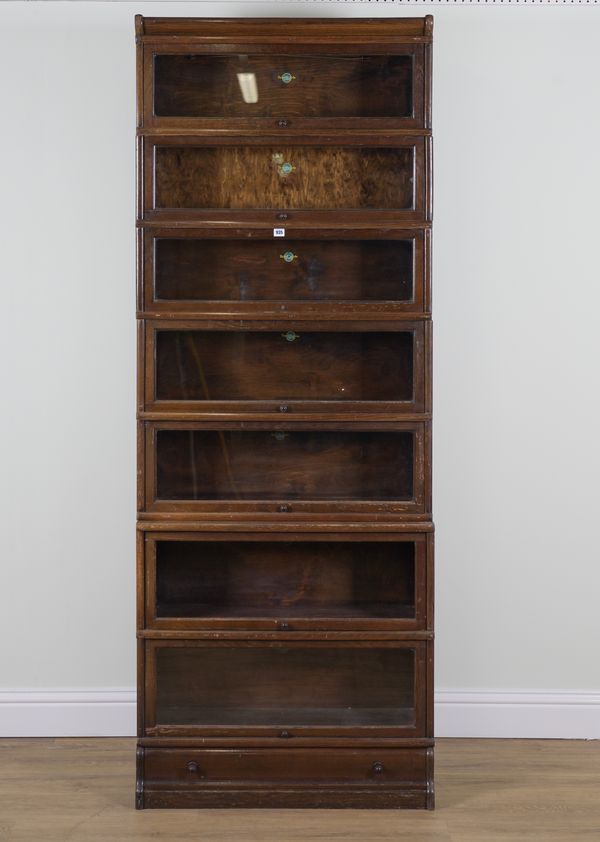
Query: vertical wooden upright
{"points": [[285, 539]]}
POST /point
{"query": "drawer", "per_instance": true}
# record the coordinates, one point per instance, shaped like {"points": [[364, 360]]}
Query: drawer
{"points": [[328, 272], [285, 688], [209, 581], [290, 766], [245, 467], [295, 87], [345, 777], [223, 179], [310, 367]]}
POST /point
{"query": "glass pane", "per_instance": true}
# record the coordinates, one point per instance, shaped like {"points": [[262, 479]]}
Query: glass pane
{"points": [[283, 365], [262, 86], [285, 579], [309, 177], [300, 270], [285, 685], [292, 465]]}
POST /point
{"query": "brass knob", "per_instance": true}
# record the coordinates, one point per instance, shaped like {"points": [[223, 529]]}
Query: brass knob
{"points": [[285, 168]]}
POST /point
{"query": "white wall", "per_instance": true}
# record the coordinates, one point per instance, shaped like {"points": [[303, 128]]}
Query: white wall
{"points": [[516, 294]]}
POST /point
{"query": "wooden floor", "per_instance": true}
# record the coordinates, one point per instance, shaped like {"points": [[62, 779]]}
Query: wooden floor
{"points": [[487, 791]]}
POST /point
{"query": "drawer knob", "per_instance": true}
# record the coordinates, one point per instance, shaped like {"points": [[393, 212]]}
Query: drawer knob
{"points": [[290, 335], [285, 735], [283, 408], [378, 767], [281, 216], [288, 256], [283, 626], [283, 124], [285, 508], [192, 766], [286, 77]]}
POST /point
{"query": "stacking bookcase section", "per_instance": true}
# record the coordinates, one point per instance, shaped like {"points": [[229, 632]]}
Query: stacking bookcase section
{"points": [[363, 687], [283, 582], [246, 467], [378, 273], [277, 368], [295, 179], [309, 83], [285, 542]]}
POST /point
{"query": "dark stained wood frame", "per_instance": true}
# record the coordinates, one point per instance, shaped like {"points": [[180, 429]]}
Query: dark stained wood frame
{"points": [[282, 508], [296, 409], [153, 124], [148, 211], [168, 758], [150, 620], [418, 729], [177, 36], [419, 307]]}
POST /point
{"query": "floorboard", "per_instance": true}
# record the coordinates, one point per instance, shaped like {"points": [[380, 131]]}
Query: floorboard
{"points": [[81, 790]]}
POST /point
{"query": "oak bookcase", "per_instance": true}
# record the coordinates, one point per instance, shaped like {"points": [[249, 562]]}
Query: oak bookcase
{"points": [[285, 540]]}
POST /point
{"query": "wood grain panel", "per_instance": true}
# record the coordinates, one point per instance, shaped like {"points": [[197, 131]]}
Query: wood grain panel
{"points": [[196, 768], [265, 29], [322, 178]]}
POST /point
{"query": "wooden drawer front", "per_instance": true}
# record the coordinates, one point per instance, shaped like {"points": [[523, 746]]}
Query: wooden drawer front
{"points": [[186, 176], [285, 767], [322, 272], [293, 88], [285, 688], [310, 367], [200, 467], [196, 580]]}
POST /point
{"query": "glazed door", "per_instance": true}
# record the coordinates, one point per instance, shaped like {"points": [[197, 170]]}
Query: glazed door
{"points": [[282, 582], [286, 469], [296, 687], [268, 179], [288, 86], [298, 368], [320, 272]]}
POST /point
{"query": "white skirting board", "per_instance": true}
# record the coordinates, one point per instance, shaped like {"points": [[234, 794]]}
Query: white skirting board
{"points": [[66, 712], [526, 714], [458, 713]]}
